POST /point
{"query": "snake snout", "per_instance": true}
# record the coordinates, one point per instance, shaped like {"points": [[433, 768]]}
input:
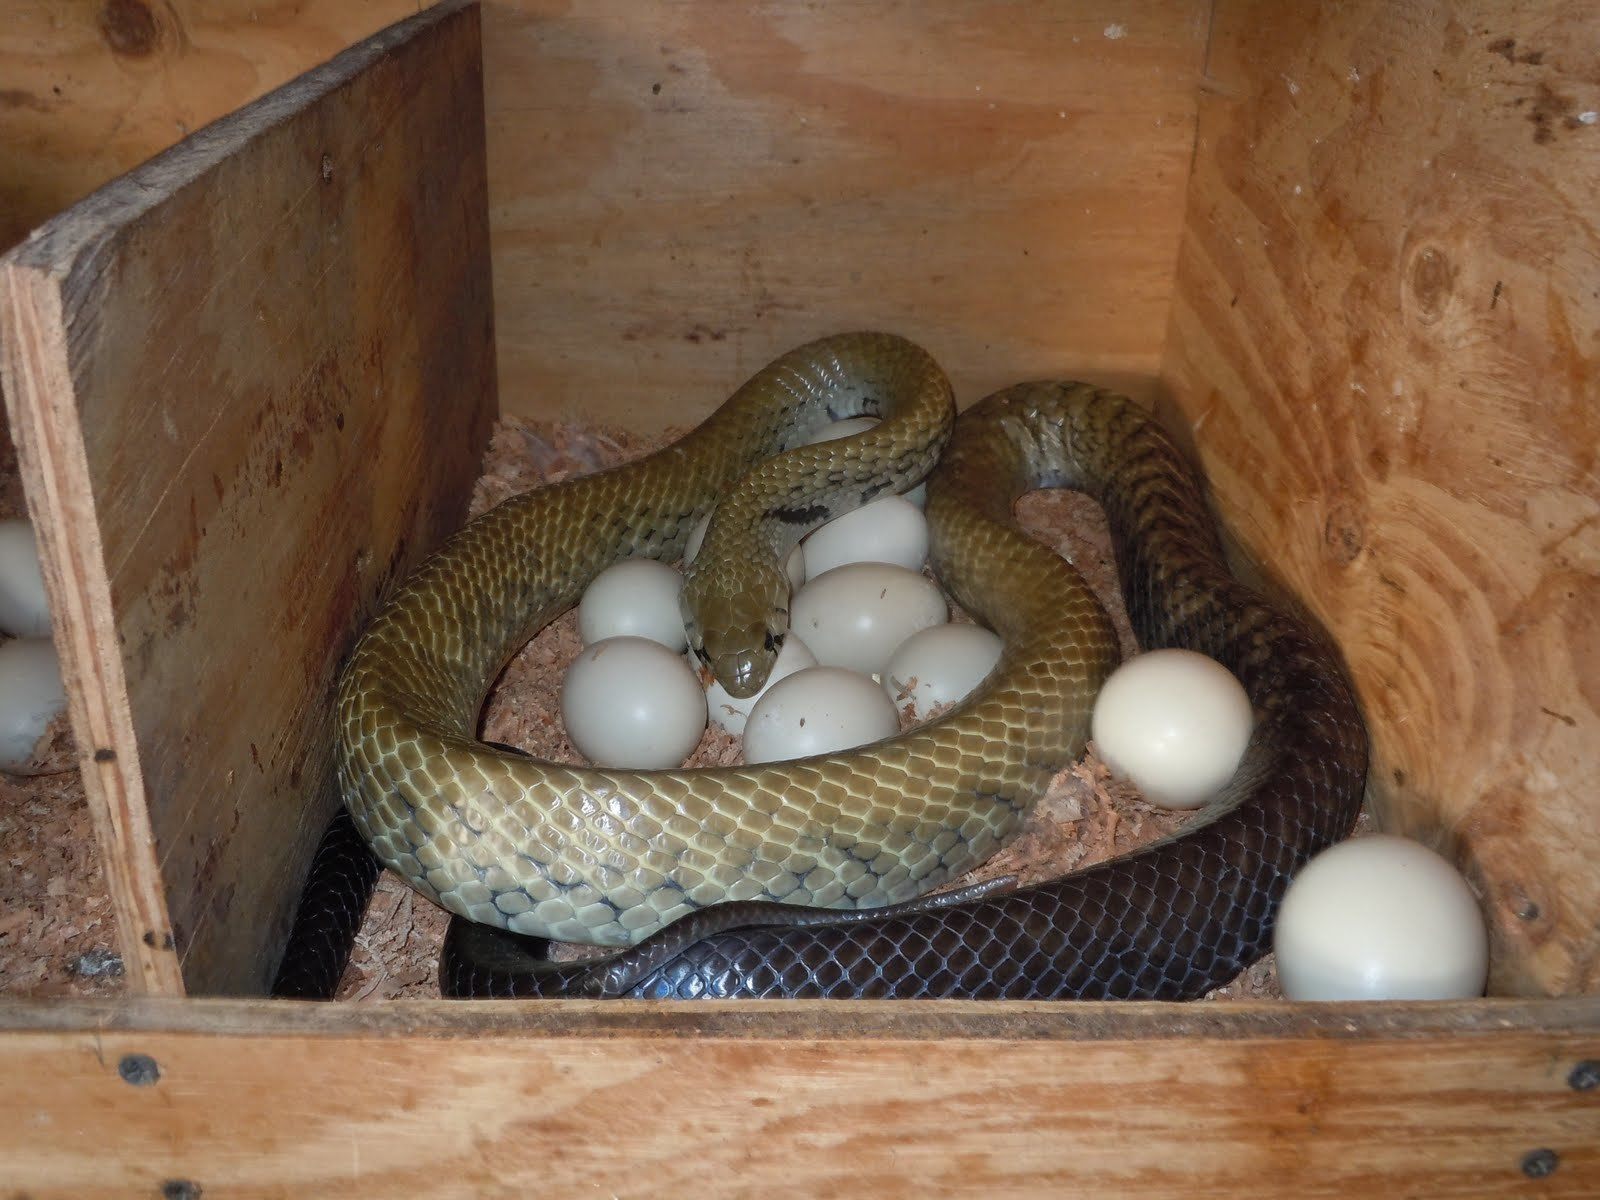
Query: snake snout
{"points": [[742, 671], [738, 630]]}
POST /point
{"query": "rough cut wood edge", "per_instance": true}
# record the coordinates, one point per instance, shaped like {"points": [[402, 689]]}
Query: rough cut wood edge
{"points": [[37, 383], [121, 417], [275, 1099], [1384, 335]]}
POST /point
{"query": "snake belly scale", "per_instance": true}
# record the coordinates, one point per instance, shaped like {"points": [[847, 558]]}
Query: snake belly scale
{"points": [[610, 856]]}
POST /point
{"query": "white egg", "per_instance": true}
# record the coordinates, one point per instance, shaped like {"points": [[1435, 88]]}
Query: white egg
{"points": [[637, 597], [891, 530], [731, 712], [838, 429], [794, 566], [817, 711], [835, 430], [631, 702], [30, 697], [1380, 918], [940, 665], [1175, 723], [855, 615], [24, 611]]}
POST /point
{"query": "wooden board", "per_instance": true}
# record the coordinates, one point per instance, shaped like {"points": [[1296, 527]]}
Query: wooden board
{"points": [[842, 1099], [1385, 334], [91, 90], [250, 383], [681, 191]]}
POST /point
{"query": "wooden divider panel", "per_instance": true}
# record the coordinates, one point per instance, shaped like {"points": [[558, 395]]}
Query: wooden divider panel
{"points": [[487, 1099], [250, 384], [1385, 335]]}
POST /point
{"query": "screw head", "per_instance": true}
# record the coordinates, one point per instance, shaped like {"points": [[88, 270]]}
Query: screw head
{"points": [[138, 1069], [1537, 1164], [1585, 1076]]}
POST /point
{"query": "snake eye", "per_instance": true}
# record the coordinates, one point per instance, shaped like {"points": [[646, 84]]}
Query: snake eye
{"points": [[773, 642]]}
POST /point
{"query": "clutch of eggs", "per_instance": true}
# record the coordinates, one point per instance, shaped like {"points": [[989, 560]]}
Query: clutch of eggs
{"points": [[858, 613]]}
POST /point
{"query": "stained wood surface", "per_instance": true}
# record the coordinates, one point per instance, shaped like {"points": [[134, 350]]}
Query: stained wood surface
{"points": [[1385, 334], [573, 1099], [681, 191], [250, 382]]}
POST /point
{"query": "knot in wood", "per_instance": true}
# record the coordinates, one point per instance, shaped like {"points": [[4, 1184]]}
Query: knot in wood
{"points": [[1433, 280], [129, 28], [1538, 1164], [1345, 531], [138, 1069]]}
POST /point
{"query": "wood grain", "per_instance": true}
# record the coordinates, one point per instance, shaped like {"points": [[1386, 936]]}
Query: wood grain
{"points": [[681, 191], [251, 383], [571, 1099], [1385, 335], [90, 89]]}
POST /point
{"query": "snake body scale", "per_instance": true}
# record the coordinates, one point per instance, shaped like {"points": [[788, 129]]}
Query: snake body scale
{"points": [[769, 881]]}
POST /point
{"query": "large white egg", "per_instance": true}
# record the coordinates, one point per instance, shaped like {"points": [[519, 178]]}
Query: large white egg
{"points": [[24, 612], [1380, 918], [817, 711], [1175, 723], [631, 702], [891, 530], [731, 712], [838, 429], [939, 666], [637, 597], [794, 566], [855, 616], [30, 697]]}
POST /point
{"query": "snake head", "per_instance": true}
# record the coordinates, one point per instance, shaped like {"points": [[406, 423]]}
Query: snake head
{"points": [[736, 618]]}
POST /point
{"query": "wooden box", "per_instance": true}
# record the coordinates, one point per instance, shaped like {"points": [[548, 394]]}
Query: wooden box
{"points": [[1352, 251]]}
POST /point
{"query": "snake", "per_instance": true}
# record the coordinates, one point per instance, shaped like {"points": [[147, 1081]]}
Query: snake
{"points": [[812, 877]]}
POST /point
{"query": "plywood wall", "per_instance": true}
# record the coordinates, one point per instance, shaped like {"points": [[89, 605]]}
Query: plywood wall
{"points": [[680, 191], [250, 383], [1385, 337]]}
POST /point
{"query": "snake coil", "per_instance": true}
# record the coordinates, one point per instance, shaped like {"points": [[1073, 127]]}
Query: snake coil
{"points": [[768, 881]]}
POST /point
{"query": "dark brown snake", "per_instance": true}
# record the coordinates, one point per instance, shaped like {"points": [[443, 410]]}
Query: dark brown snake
{"points": [[1169, 921]]}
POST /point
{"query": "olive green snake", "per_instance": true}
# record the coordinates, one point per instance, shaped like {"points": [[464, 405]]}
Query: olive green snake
{"points": [[610, 856], [671, 857]]}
